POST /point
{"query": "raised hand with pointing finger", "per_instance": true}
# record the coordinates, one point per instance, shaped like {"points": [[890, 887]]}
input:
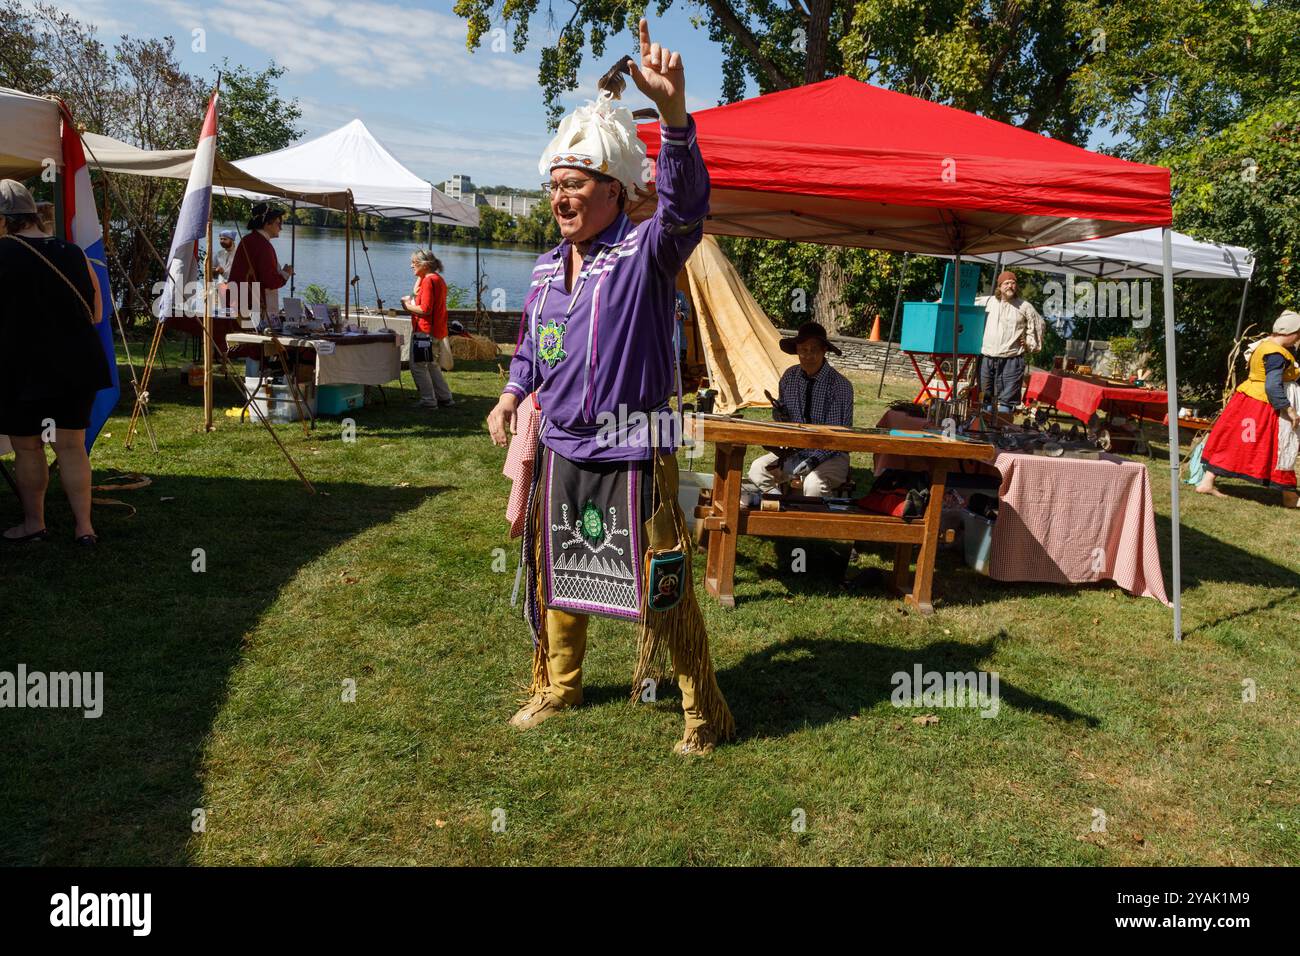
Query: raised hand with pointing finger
{"points": [[661, 77]]}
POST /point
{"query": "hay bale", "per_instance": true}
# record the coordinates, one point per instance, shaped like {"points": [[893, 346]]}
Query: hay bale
{"points": [[475, 348]]}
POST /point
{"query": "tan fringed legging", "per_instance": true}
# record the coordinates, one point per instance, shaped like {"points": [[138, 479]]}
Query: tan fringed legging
{"points": [[566, 636]]}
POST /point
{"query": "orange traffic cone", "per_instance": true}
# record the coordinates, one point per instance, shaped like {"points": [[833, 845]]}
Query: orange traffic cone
{"points": [[875, 330]]}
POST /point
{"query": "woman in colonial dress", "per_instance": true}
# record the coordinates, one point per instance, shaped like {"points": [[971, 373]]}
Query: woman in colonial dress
{"points": [[1256, 436]]}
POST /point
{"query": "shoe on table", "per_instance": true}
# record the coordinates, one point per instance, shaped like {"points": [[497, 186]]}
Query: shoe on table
{"points": [[542, 706], [698, 742]]}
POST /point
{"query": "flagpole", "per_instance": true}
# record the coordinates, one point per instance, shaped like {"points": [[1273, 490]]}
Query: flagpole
{"points": [[207, 295]]}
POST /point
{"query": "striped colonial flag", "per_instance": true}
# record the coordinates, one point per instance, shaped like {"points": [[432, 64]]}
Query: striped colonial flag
{"points": [[192, 223], [83, 229]]}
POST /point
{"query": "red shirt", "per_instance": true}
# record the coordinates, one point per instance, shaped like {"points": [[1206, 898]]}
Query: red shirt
{"points": [[255, 261], [432, 300]]}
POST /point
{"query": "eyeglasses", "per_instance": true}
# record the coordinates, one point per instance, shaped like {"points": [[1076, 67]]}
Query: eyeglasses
{"points": [[567, 187]]}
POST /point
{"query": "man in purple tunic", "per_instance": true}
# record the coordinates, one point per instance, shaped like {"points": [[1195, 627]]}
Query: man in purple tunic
{"points": [[604, 534]]}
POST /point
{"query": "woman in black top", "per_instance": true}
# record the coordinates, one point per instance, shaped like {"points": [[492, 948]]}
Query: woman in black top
{"points": [[51, 361]]}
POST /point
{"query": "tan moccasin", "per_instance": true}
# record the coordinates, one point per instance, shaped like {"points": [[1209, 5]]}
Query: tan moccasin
{"points": [[542, 706], [696, 743]]}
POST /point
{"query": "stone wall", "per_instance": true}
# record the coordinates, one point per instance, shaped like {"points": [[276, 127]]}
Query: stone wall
{"points": [[864, 356]]}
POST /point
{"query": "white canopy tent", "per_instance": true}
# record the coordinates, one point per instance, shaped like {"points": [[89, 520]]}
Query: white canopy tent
{"points": [[1135, 255], [351, 158]]}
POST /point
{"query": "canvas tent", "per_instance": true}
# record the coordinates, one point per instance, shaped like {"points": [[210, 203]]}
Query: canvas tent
{"points": [[114, 156], [351, 158], [741, 346], [845, 163], [31, 134]]}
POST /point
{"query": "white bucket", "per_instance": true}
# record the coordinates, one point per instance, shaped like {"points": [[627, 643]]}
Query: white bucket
{"points": [[689, 486]]}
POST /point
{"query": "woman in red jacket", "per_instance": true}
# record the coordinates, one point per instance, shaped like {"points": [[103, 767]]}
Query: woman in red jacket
{"points": [[428, 309]]}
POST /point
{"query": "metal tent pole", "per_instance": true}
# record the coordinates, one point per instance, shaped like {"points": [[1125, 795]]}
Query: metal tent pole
{"points": [[478, 288], [1241, 312], [956, 329], [893, 322], [1171, 385]]}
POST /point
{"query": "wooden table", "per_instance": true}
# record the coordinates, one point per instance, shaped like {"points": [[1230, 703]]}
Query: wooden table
{"points": [[725, 520]]}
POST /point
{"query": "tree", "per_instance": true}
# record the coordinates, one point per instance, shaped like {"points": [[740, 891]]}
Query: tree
{"points": [[255, 119], [21, 67], [1213, 92]]}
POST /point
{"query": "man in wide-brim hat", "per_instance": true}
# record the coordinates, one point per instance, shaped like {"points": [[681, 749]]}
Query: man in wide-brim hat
{"points": [[811, 393], [603, 531]]}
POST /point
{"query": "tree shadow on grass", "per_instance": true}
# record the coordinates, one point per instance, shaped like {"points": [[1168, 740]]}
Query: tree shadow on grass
{"points": [[400, 419], [805, 682], [120, 789]]}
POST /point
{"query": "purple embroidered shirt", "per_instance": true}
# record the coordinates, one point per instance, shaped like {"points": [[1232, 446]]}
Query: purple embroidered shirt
{"points": [[601, 357]]}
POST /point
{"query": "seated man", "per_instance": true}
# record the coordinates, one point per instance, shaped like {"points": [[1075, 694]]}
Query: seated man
{"points": [[813, 393]]}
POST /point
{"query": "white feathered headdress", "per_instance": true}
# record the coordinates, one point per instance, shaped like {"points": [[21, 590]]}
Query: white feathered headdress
{"points": [[600, 138]]}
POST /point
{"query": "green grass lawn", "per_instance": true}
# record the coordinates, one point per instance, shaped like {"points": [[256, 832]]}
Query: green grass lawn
{"points": [[224, 688]]}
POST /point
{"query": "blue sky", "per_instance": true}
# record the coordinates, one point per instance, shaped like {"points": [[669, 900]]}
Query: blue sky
{"points": [[402, 68]]}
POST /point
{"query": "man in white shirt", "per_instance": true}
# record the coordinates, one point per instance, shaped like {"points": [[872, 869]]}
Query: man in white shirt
{"points": [[221, 263], [225, 256], [1013, 329]]}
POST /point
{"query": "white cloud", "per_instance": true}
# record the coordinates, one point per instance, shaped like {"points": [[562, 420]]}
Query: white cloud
{"points": [[377, 45]]}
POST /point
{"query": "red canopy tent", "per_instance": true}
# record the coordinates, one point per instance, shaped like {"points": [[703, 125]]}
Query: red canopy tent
{"points": [[842, 162], [846, 163]]}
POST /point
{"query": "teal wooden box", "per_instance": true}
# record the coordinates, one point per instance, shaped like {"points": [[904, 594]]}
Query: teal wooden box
{"points": [[927, 326], [337, 399]]}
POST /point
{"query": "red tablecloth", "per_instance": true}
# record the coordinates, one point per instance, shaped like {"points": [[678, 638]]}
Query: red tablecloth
{"points": [[1068, 520], [1081, 398]]}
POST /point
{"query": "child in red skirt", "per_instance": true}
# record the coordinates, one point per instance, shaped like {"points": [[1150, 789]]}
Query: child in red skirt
{"points": [[1250, 438]]}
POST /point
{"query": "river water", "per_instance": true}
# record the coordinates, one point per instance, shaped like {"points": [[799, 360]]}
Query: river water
{"points": [[318, 258]]}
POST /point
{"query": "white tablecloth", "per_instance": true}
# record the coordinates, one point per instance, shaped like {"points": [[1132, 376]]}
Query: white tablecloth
{"points": [[339, 362]]}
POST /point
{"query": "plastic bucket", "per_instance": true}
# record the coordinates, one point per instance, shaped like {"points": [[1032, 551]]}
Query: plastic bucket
{"points": [[978, 537]]}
